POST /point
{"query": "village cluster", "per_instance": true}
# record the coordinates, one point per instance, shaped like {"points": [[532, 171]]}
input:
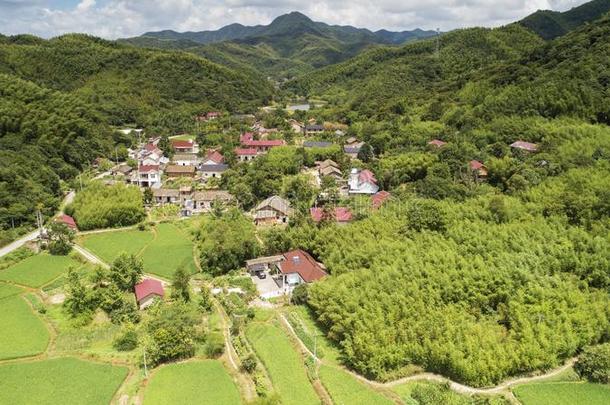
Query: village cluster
{"points": [[205, 167]]}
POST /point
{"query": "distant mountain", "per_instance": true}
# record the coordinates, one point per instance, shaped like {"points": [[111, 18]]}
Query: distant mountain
{"points": [[403, 36], [290, 45], [552, 24], [292, 23]]}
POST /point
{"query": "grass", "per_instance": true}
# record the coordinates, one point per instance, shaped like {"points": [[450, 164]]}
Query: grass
{"points": [[36, 271], [23, 333], [561, 393], [108, 245], [303, 322], [201, 382], [170, 249], [59, 381], [283, 363], [346, 390], [183, 137], [8, 290]]}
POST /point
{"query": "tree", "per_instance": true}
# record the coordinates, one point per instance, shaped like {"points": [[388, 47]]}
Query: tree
{"points": [[172, 333], [126, 341], [205, 302], [147, 196], [366, 154], [126, 271], [180, 285], [78, 300], [166, 146], [594, 364], [300, 294], [60, 239]]}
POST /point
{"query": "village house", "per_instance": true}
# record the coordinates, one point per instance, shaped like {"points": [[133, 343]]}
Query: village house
{"points": [[297, 126], [122, 170], [273, 210], [245, 155], [147, 291], [147, 176], [187, 146], [329, 168], [313, 129], [68, 221], [317, 144], [287, 270], [202, 200], [525, 146], [180, 171], [352, 148], [162, 196], [340, 215], [185, 159], [437, 143], [213, 157], [379, 199], [478, 169], [212, 115], [213, 171], [362, 182], [261, 146]]}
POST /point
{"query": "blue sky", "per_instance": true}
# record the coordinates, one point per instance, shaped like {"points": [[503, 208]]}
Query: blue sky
{"points": [[123, 18]]}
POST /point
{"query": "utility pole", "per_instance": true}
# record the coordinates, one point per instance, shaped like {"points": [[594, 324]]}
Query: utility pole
{"points": [[145, 367], [438, 42]]}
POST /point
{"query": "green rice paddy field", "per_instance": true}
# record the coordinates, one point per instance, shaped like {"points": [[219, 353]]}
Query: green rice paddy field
{"points": [[193, 382], [36, 271], [163, 249], [563, 393], [59, 381], [283, 363], [23, 333]]}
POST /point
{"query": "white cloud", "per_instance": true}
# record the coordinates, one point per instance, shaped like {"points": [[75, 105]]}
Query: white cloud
{"points": [[124, 18]]}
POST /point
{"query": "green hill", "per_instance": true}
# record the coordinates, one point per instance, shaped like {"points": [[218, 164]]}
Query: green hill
{"points": [[130, 84], [552, 24]]}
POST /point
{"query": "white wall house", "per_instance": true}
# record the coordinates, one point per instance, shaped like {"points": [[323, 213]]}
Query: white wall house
{"points": [[362, 182]]}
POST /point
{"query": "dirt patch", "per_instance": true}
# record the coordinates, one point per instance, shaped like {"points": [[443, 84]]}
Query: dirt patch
{"points": [[57, 298]]}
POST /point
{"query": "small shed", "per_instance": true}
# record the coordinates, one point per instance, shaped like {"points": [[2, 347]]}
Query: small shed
{"points": [[147, 290]]}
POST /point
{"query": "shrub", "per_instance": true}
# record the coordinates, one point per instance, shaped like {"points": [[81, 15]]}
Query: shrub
{"points": [[249, 363], [300, 294], [215, 345], [127, 341], [594, 364]]}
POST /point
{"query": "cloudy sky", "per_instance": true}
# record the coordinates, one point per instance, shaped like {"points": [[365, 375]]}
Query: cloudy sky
{"points": [[124, 18]]}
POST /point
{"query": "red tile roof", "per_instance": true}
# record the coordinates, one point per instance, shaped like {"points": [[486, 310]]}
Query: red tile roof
{"points": [[182, 144], [378, 199], [247, 139], [68, 220], [367, 176], [213, 114], [147, 287], [242, 152], [342, 214], [151, 147], [148, 168], [528, 146], [299, 261], [437, 142], [214, 156], [475, 165]]}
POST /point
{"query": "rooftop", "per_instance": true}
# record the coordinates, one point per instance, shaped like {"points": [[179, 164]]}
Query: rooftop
{"points": [[299, 261], [147, 287]]}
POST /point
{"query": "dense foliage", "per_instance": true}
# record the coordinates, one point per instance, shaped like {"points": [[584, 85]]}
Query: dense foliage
{"points": [[100, 206], [226, 242], [46, 137], [594, 364]]}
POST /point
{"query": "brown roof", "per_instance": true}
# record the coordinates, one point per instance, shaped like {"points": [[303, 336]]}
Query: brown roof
{"points": [[179, 169], [299, 261], [211, 195], [165, 192], [277, 203]]}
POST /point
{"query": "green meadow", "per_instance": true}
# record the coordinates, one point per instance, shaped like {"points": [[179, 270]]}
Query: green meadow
{"points": [[108, 245], [344, 389], [563, 393]]}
